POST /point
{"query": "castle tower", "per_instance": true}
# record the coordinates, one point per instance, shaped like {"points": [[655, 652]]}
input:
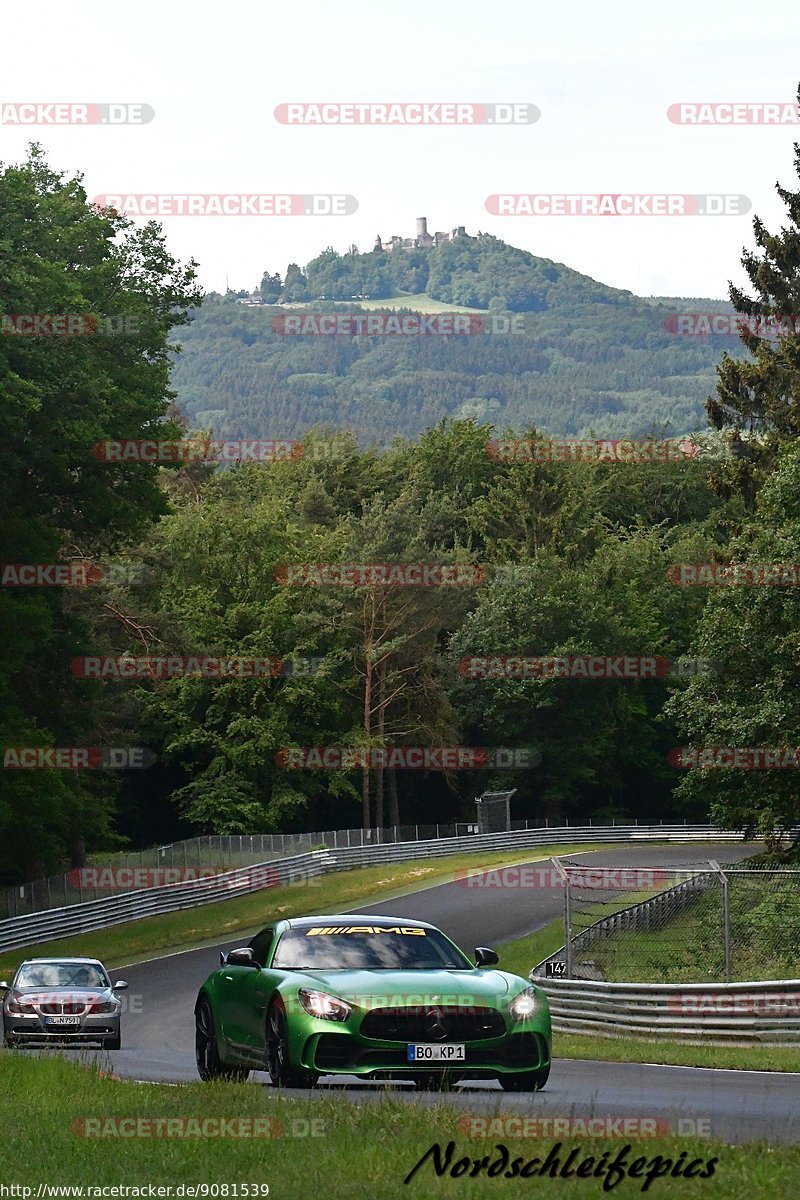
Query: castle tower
{"points": [[422, 227]]}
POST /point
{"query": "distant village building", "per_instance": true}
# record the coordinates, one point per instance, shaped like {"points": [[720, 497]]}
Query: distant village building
{"points": [[423, 240]]}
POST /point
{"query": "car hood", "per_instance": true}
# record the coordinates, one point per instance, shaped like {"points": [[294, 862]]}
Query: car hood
{"points": [[379, 989], [70, 995]]}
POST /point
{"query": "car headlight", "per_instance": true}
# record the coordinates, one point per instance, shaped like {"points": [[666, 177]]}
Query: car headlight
{"points": [[524, 1005], [103, 1006], [18, 1007], [323, 1006]]}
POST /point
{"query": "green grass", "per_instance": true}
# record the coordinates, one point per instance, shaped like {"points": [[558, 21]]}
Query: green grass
{"points": [[680, 1054], [359, 1151], [212, 923], [420, 302]]}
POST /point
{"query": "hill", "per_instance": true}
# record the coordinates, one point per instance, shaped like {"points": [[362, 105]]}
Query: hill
{"points": [[576, 355]]}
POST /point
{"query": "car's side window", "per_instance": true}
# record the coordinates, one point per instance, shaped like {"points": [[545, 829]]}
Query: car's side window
{"points": [[260, 946]]}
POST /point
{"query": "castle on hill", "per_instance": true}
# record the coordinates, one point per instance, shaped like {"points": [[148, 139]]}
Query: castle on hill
{"points": [[423, 240]]}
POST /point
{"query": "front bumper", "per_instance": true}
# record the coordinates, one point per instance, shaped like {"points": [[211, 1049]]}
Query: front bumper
{"points": [[342, 1052], [25, 1030]]}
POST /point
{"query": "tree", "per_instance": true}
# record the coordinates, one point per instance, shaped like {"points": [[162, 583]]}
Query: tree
{"points": [[270, 288], [62, 396], [295, 285], [758, 399], [752, 699]]}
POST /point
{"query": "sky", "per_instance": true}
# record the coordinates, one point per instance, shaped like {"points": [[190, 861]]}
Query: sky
{"points": [[602, 76]]}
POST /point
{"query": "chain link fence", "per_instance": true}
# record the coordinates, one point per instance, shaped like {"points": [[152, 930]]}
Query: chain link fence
{"points": [[112, 873], [687, 924]]}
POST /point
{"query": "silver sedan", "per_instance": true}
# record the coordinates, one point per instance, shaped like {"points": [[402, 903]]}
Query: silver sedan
{"points": [[62, 1000]]}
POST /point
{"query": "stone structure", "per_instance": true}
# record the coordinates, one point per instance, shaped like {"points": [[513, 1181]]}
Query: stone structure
{"points": [[423, 239]]}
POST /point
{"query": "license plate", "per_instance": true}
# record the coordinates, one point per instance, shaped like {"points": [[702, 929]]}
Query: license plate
{"points": [[436, 1052], [70, 1022]]}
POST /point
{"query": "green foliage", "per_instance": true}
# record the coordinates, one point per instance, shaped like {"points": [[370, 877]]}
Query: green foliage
{"points": [[61, 396]]}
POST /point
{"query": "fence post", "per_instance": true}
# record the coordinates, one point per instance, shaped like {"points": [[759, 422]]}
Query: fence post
{"points": [[563, 875], [726, 918]]}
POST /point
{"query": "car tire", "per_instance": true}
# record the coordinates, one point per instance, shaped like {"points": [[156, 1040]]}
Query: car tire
{"points": [[206, 1051], [281, 1072], [525, 1081], [112, 1043]]}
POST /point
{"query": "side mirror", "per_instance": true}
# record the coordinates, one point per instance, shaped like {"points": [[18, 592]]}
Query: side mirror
{"points": [[5, 987], [242, 957], [484, 957], [120, 986]]}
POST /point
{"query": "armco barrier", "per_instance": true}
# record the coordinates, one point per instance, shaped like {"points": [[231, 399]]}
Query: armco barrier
{"points": [[767, 1012], [56, 923]]}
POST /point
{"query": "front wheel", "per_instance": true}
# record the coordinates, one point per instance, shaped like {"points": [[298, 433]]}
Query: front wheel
{"points": [[112, 1043], [206, 1052], [525, 1081], [281, 1072]]}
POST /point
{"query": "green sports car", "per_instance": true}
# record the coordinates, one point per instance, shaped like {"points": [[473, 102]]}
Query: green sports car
{"points": [[373, 997]]}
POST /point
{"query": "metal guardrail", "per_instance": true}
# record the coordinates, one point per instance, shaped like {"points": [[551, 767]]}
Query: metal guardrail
{"points": [[209, 853], [767, 1012], [53, 924]]}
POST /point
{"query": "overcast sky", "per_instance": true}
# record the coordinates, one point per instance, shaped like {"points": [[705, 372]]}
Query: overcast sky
{"points": [[603, 76]]}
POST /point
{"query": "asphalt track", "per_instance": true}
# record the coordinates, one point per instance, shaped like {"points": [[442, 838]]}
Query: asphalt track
{"points": [[735, 1106]]}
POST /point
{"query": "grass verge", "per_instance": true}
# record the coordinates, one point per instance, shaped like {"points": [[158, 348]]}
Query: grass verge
{"points": [[212, 923], [347, 1150]]}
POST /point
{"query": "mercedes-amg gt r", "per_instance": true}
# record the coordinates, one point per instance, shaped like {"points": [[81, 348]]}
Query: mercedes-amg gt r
{"points": [[371, 997]]}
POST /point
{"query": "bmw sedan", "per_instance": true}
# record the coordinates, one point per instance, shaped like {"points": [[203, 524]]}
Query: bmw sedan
{"points": [[63, 1000]]}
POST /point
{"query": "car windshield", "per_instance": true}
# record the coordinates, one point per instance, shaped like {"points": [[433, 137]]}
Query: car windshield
{"points": [[367, 947], [61, 975]]}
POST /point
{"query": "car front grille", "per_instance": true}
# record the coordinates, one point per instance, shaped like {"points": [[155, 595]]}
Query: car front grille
{"points": [[342, 1052], [62, 1010], [433, 1023]]}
